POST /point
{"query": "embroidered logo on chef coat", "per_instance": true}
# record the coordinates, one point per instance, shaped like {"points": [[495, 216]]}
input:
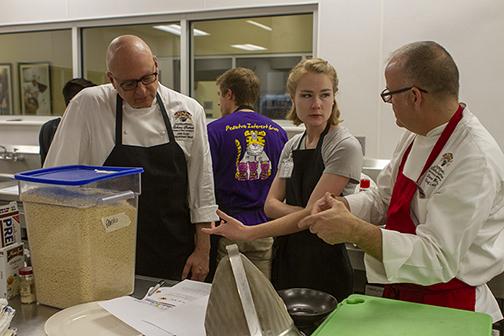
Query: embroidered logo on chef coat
{"points": [[182, 115], [436, 173], [183, 129], [255, 163], [446, 159]]}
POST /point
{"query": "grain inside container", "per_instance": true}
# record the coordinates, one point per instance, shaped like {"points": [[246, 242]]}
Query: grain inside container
{"points": [[81, 223]]}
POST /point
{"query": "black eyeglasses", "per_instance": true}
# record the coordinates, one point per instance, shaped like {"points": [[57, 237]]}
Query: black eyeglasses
{"points": [[387, 95], [132, 84]]}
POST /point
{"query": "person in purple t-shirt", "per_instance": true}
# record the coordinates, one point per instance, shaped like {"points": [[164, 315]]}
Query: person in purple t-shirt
{"points": [[245, 148]]}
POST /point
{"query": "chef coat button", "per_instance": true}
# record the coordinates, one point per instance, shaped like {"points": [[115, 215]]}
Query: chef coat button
{"points": [[163, 132], [125, 132]]}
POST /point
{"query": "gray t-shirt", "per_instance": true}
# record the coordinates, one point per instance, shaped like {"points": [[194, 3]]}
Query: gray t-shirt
{"points": [[341, 153]]}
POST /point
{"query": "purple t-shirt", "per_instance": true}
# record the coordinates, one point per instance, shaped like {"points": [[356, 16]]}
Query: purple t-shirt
{"points": [[245, 150]]}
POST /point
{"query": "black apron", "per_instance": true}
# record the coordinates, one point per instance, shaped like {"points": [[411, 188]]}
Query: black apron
{"points": [[165, 235], [303, 259]]}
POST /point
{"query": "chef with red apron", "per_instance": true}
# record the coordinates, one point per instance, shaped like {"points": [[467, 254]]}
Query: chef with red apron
{"points": [[455, 293], [442, 201]]}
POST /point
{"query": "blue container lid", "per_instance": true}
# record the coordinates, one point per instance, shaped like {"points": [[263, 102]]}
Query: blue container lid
{"points": [[75, 175]]}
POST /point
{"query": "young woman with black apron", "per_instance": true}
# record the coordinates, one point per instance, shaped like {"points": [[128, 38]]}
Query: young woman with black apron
{"points": [[165, 234], [303, 259]]}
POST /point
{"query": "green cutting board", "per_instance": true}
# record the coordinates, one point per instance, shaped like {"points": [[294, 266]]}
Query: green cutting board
{"points": [[364, 315]]}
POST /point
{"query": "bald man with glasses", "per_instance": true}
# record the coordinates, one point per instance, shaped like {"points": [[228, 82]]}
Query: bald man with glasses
{"points": [[137, 122]]}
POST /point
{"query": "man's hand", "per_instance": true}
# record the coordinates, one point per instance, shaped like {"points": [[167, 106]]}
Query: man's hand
{"points": [[197, 264], [332, 221], [230, 228]]}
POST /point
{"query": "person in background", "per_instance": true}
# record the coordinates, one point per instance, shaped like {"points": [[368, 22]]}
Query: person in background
{"points": [[47, 131], [245, 148], [325, 158], [441, 196], [136, 122]]}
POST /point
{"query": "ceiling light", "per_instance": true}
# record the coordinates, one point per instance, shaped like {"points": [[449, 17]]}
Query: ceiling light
{"points": [[175, 29], [260, 25], [248, 47]]}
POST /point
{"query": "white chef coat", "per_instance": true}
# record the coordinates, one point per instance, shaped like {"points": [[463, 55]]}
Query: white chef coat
{"points": [[460, 220], [86, 135]]}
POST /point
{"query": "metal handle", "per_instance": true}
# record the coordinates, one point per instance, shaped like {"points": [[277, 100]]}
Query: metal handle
{"points": [[244, 290], [115, 198]]}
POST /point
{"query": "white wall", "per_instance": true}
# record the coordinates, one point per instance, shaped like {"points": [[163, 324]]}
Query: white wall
{"points": [[356, 37]]}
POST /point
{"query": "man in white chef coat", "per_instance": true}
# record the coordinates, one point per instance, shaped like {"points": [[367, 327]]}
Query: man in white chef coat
{"points": [[136, 122], [441, 196]]}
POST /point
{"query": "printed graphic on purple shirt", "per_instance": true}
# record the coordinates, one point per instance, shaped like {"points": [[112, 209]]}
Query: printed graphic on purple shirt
{"points": [[255, 164]]}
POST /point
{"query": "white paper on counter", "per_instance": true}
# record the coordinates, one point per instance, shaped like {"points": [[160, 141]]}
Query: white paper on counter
{"points": [[185, 320], [131, 311], [194, 288], [183, 292], [137, 313]]}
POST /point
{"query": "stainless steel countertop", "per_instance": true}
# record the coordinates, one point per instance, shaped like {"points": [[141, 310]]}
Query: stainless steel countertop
{"points": [[6, 193], [356, 256], [31, 318]]}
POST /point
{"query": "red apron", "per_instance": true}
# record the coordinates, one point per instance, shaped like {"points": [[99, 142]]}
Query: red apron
{"points": [[453, 294]]}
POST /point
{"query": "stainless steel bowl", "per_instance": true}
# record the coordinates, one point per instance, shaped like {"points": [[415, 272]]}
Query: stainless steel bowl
{"points": [[307, 306]]}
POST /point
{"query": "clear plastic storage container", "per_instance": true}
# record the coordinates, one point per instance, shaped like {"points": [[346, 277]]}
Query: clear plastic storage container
{"points": [[81, 223]]}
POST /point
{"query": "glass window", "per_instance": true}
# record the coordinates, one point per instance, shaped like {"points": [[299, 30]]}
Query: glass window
{"points": [[270, 46], [33, 70], [162, 38]]}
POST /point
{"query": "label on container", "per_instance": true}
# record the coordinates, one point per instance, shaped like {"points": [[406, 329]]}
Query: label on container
{"points": [[115, 222]]}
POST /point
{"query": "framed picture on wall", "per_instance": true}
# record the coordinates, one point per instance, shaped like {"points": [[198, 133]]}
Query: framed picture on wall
{"points": [[6, 89], [35, 88]]}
